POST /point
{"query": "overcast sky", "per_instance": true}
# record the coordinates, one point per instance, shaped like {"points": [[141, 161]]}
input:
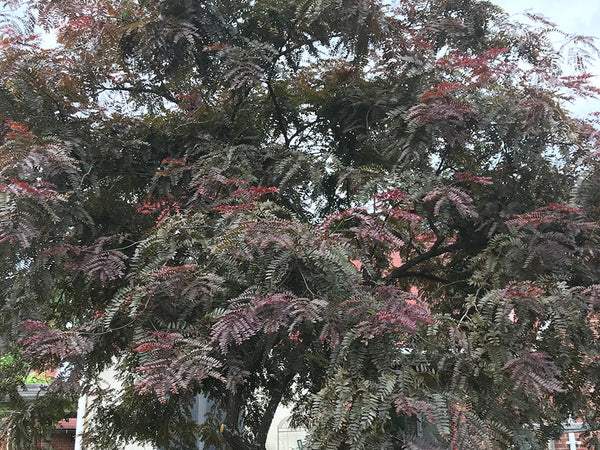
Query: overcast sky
{"points": [[572, 16]]}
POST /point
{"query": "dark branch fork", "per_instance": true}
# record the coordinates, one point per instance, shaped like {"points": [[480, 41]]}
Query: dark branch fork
{"points": [[435, 250]]}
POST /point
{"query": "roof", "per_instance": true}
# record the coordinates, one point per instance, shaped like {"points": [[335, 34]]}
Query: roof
{"points": [[68, 424]]}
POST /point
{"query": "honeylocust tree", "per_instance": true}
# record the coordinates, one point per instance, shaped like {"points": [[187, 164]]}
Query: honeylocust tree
{"points": [[383, 215]]}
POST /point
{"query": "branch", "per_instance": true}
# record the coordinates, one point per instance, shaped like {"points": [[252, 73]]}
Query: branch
{"points": [[277, 107], [269, 413], [435, 250], [278, 113], [421, 274], [302, 129], [41, 88], [140, 90], [235, 440]]}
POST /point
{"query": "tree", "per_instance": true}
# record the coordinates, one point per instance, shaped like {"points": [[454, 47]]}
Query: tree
{"points": [[383, 214]]}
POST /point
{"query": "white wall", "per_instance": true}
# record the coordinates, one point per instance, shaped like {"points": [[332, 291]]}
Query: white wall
{"points": [[282, 438]]}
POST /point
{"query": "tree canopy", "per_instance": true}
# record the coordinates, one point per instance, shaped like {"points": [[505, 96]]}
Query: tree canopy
{"points": [[383, 215]]}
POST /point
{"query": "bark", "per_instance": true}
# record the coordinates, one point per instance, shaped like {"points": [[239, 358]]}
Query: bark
{"points": [[263, 430], [435, 250]]}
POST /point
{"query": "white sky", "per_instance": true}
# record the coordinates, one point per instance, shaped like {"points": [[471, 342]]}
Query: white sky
{"points": [[573, 16]]}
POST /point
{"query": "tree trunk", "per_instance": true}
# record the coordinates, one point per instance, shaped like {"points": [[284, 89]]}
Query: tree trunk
{"points": [[263, 430]]}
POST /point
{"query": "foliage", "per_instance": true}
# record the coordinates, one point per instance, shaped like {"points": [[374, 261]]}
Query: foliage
{"points": [[383, 215]]}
